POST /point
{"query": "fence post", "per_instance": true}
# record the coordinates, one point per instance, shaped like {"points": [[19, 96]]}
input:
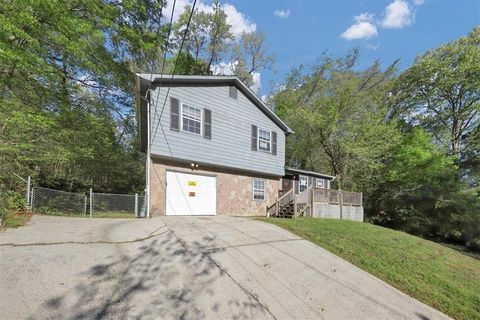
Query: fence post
{"points": [[340, 194], [29, 183], [91, 202], [85, 206], [136, 205]]}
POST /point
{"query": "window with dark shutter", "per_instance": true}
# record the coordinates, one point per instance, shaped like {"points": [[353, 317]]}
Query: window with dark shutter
{"points": [[207, 124], [254, 137], [174, 114], [232, 92], [274, 143]]}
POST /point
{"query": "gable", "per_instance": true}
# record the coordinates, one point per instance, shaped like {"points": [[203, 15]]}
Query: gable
{"points": [[144, 81]]}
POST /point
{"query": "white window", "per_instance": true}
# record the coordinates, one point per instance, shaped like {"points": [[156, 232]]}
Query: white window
{"points": [[258, 189], [264, 142], [191, 119], [320, 183], [303, 183]]}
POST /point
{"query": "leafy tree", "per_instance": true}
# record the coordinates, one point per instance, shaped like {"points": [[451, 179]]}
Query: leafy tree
{"points": [[66, 90], [185, 64], [442, 91], [338, 114], [420, 193], [209, 42], [251, 56], [208, 36]]}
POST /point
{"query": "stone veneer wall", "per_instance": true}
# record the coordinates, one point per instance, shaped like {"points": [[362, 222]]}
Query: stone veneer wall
{"points": [[234, 190]]}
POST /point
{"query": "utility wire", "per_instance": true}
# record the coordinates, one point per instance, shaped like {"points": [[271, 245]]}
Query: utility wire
{"points": [[167, 41], [155, 47], [174, 69], [168, 91]]}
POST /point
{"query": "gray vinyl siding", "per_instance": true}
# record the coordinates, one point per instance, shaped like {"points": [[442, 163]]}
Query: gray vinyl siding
{"points": [[232, 120]]}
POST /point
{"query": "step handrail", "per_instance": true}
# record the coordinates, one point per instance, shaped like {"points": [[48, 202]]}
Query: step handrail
{"points": [[281, 200]]}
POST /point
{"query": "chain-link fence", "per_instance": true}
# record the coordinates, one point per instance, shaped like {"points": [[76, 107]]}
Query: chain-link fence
{"points": [[96, 205], [57, 202], [116, 205]]}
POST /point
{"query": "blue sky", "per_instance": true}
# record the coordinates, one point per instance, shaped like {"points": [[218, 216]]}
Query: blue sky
{"points": [[385, 30]]}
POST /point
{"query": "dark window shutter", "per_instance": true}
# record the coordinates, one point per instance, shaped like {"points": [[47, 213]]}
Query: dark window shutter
{"points": [[254, 137], [207, 124], [274, 143], [232, 92], [174, 114]]}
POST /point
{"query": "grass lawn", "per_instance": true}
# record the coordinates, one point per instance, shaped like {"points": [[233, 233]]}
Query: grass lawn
{"points": [[16, 219], [437, 275]]}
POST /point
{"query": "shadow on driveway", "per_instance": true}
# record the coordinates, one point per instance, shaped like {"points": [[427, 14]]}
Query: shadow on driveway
{"points": [[156, 279]]}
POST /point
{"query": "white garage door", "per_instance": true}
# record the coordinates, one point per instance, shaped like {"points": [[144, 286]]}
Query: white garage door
{"points": [[191, 194]]}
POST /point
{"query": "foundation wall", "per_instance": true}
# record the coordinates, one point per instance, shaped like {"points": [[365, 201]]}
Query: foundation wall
{"points": [[234, 190]]}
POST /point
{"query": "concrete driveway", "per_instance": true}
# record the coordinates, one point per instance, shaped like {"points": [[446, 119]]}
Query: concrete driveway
{"points": [[184, 268]]}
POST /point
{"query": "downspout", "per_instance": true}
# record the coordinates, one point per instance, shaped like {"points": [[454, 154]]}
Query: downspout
{"points": [[148, 162]]}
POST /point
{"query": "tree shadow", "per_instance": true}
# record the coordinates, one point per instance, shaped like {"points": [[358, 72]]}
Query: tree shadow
{"points": [[155, 279]]}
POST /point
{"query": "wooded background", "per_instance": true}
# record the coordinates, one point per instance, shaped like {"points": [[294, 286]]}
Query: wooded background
{"points": [[410, 140]]}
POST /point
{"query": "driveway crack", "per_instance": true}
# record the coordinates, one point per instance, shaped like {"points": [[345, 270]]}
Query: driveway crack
{"points": [[250, 294], [153, 234]]}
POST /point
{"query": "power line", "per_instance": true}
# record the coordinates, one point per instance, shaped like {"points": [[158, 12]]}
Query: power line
{"points": [[174, 69], [157, 36], [167, 40], [168, 91]]}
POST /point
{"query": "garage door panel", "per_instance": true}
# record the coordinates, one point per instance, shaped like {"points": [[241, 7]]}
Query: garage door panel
{"points": [[191, 194]]}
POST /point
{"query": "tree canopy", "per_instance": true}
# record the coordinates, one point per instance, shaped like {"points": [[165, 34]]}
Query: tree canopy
{"points": [[408, 141]]}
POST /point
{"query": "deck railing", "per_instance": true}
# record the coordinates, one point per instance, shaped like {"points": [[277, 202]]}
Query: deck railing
{"points": [[331, 196], [305, 200]]}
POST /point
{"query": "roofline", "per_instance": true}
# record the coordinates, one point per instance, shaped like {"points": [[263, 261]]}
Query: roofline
{"points": [[159, 78], [312, 173]]}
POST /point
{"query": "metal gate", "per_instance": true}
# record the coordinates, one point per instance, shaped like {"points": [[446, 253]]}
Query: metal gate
{"points": [[110, 205]]}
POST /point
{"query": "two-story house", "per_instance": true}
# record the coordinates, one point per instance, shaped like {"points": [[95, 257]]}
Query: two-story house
{"points": [[213, 147]]}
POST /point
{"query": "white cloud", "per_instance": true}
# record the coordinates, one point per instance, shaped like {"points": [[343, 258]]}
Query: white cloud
{"points": [[179, 8], [373, 46], [224, 68], [365, 16], [398, 14], [360, 30], [363, 28], [282, 14], [257, 82], [238, 21]]}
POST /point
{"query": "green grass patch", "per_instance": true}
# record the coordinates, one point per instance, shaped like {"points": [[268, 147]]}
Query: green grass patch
{"points": [[435, 274], [16, 219]]}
